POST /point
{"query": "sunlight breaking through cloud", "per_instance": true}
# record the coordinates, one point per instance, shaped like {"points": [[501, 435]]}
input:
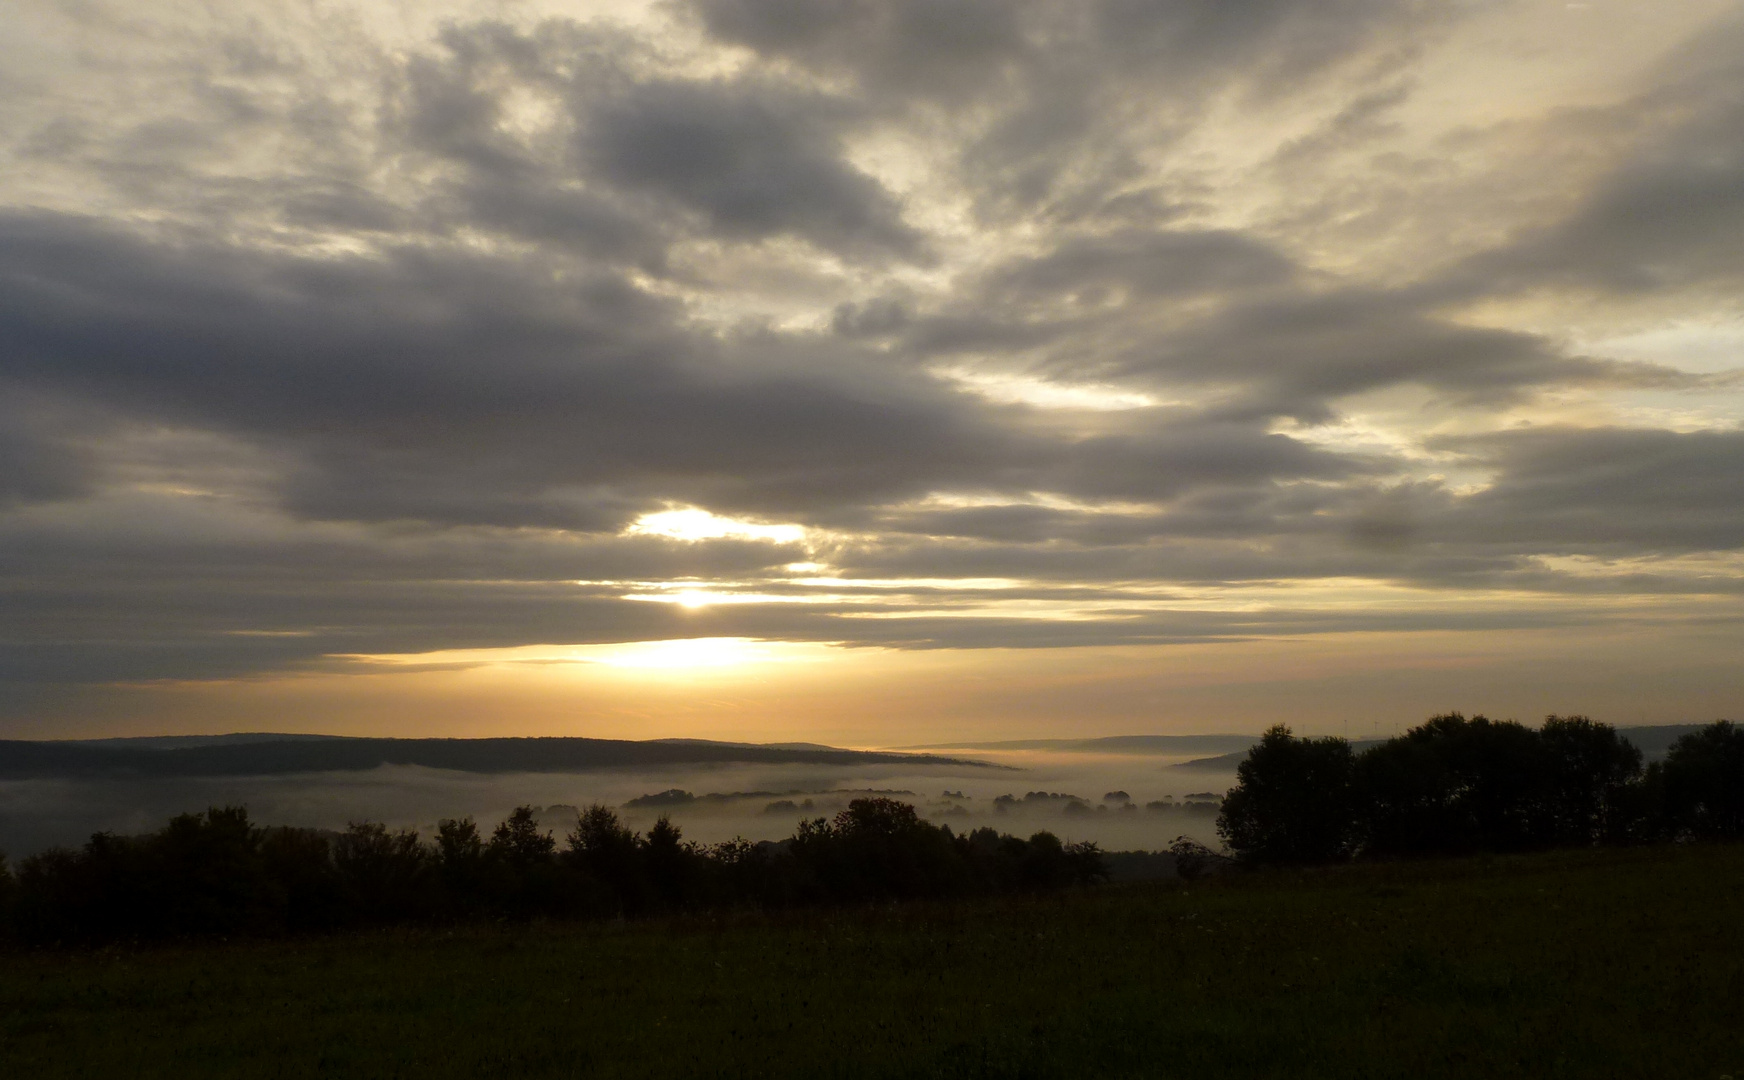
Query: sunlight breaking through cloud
{"points": [[670, 654], [690, 523]]}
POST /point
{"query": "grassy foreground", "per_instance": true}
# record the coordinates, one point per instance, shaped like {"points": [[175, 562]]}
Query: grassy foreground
{"points": [[1592, 963]]}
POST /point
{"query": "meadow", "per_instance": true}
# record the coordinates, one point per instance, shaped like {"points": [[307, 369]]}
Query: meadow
{"points": [[1619, 962]]}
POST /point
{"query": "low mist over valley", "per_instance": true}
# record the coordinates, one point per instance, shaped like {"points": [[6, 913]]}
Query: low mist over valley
{"points": [[1123, 792], [1058, 788]]}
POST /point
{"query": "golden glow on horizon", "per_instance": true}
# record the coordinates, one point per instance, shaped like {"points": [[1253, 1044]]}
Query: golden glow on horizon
{"points": [[823, 692], [1116, 601], [665, 655]]}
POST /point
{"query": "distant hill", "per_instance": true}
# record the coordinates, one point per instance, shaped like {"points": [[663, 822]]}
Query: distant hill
{"points": [[1655, 741], [1220, 763], [265, 754], [178, 742]]}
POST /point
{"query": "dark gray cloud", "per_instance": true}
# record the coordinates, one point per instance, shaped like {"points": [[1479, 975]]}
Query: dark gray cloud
{"points": [[753, 165], [438, 384], [944, 48], [1188, 307], [1597, 490], [626, 148], [40, 458], [1047, 101], [1142, 265]]}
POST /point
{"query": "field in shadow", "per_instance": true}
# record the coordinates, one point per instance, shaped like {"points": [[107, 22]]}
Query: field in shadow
{"points": [[1621, 962]]}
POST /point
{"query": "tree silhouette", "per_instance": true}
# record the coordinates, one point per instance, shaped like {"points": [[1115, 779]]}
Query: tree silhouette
{"points": [[518, 842], [608, 854], [299, 864], [1592, 770], [8, 891], [1453, 785], [1292, 801], [519, 870], [464, 869], [879, 848], [383, 873], [458, 843], [1704, 782], [671, 864], [203, 872]]}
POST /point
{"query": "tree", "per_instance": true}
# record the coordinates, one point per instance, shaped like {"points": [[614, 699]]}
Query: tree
{"points": [[8, 892], [608, 855], [1704, 782], [1592, 770], [1453, 785], [1292, 801], [204, 871], [458, 843], [602, 842], [879, 848], [462, 866], [382, 873], [518, 841], [520, 874], [299, 865], [671, 863]]}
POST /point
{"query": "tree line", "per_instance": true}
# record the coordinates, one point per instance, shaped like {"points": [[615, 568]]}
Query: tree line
{"points": [[218, 874], [1456, 786]]}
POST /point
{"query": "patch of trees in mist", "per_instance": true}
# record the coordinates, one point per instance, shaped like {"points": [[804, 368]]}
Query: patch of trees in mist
{"points": [[1455, 786], [218, 874], [1119, 802]]}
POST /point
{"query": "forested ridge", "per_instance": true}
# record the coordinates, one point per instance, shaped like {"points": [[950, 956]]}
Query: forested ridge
{"points": [[270, 755], [218, 874]]}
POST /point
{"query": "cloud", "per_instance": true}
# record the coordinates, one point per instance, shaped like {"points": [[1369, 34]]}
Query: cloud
{"points": [[948, 48], [753, 163], [1659, 220], [41, 454], [1600, 490], [1036, 325]]}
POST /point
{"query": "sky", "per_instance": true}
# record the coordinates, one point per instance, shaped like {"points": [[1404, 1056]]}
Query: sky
{"points": [[868, 371]]}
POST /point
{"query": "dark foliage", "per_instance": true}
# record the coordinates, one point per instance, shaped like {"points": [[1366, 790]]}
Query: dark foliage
{"points": [[1456, 786], [1593, 769], [1452, 786], [218, 874], [1293, 801], [1194, 860], [1703, 782], [381, 873], [8, 891], [879, 849]]}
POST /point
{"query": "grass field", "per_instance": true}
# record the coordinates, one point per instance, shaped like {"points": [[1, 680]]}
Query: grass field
{"points": [[1591, 964]]}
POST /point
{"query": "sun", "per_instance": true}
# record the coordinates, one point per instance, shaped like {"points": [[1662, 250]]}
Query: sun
{"points": [[692, 524]]}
